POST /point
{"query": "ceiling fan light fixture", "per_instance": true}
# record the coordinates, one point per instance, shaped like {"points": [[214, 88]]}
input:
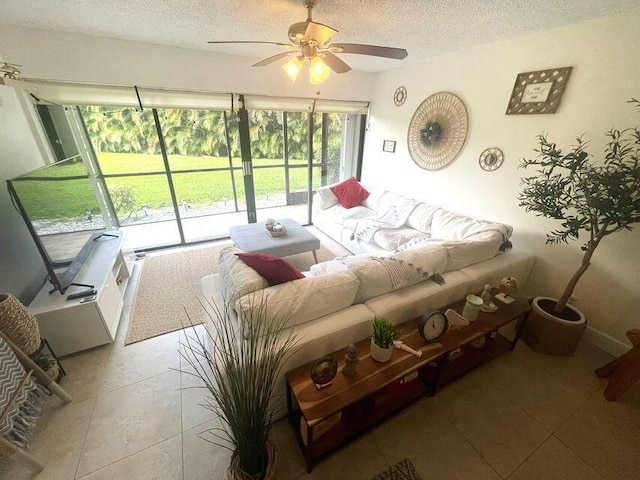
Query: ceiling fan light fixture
{"points": [[296, 32], [318, 71], [293, 67]]}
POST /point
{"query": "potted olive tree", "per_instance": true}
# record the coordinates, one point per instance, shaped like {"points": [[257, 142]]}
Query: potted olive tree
{"points": [[240, 369], [595, 198], [382, 340]]}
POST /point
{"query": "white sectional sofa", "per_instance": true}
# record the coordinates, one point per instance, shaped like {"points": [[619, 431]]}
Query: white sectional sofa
{"points": [[337, 302]]}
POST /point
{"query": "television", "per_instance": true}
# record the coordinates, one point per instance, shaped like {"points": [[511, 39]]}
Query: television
{"points": [[59, 205]]}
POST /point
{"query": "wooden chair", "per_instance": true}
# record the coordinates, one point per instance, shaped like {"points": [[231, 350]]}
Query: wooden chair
{"points": [[624, 371], [8, 448]]}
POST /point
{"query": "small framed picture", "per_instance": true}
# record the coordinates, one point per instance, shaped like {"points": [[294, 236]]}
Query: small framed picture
{"points": [[389, 146]]}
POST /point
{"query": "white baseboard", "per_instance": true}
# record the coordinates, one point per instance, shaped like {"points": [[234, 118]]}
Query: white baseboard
{"points": [[605, 342]]}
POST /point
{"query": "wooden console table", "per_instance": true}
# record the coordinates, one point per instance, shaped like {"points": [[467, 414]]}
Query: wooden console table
{"points": [[324, 419]]}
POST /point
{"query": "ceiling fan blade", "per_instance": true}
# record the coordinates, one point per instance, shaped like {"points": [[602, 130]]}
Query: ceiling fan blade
{"points": [[374, 50], [272, 59], [280, 44], [318, 32], [334, 63]]}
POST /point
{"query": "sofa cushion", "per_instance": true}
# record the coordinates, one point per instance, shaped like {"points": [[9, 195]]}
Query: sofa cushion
{"points": [[375, 193], [392, 238], [477, 248], [325, 198], [301, 301], [340, 215], [238, 278], [350, 193], [431, 258], [421, 217], [411, 302], [515, 263], [386, 200], [381, 275], [274, 269], [338, 264], [451, 226]]}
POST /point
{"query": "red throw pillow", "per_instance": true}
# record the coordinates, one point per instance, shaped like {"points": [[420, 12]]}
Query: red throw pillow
{"points": [[350, 193], [275, 270]]}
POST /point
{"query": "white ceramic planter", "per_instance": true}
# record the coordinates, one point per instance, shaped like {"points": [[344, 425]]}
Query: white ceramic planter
{"points": [[544, 332], [380, 354]]}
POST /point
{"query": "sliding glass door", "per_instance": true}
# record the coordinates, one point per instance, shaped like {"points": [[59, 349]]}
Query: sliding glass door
{"points": [[173, 176], [204, 163], [129, 162]]}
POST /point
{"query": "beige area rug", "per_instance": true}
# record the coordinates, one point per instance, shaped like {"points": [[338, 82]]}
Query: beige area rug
{"points": [[169, 289], [403, 470]]}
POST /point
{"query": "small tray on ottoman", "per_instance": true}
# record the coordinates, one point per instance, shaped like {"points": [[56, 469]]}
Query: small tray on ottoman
{"points": [[277, 234]]}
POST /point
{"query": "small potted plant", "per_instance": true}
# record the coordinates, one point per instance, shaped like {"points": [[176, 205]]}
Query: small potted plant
{"points": [[47, 363], [382, 340], [591, 199]]}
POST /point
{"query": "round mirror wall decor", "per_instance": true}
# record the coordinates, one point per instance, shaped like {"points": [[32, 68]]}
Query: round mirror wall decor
{"points": [[491, 159], [400, 96], [437, 131]]}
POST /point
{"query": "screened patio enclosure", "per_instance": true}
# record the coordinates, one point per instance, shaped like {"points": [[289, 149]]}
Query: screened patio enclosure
{"points": [[185, 167]]}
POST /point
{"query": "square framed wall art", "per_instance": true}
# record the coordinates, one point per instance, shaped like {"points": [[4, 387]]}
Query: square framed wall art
{"points": [[538, 92]]}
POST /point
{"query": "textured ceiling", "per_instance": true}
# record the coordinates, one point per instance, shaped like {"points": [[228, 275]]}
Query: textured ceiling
{"points": [[424, 27]]}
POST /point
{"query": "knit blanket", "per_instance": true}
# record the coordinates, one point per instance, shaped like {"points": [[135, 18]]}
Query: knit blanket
{"points": [[395, 217], [23, 404]]}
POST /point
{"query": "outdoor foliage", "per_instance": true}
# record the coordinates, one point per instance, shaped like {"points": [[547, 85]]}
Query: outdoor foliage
{"points": [[124, 201], [126, 141], [203, 132], [591, 197]]}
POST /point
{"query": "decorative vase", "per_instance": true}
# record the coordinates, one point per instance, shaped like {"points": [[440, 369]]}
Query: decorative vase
{"points": [[380, 354], [547, 332], [234, 472], [17, 323]]}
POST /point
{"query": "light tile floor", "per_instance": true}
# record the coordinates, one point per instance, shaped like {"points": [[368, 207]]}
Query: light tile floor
{"points": [[523, 416]]}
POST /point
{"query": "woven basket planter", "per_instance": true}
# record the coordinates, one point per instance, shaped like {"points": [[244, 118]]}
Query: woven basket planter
{"points": [[234, 472], [17, 323], [546, 333]]}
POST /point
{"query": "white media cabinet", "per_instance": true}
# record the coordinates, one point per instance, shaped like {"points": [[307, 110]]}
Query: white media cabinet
{"points": [[72, 325]]}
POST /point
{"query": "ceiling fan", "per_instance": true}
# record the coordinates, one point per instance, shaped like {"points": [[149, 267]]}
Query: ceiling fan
{"points": [[10, 70], [309, 42]]}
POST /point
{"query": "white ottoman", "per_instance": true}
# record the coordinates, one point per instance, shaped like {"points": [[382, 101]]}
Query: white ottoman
{"points": [[253, 238]]}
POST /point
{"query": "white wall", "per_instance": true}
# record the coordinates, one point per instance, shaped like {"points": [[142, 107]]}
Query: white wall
{"points": [[21, 149], [52, 55], [606, 73]]}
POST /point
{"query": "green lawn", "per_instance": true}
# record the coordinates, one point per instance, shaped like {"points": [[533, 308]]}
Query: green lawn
{"points": [[74, 198]]}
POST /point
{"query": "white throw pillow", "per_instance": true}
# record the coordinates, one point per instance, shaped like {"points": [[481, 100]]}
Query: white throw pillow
{"points": [[325, 197], [237, 277], [303, 300]]}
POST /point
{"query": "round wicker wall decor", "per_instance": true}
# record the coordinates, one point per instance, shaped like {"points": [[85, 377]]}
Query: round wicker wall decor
{"points": [[445, 115]]}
